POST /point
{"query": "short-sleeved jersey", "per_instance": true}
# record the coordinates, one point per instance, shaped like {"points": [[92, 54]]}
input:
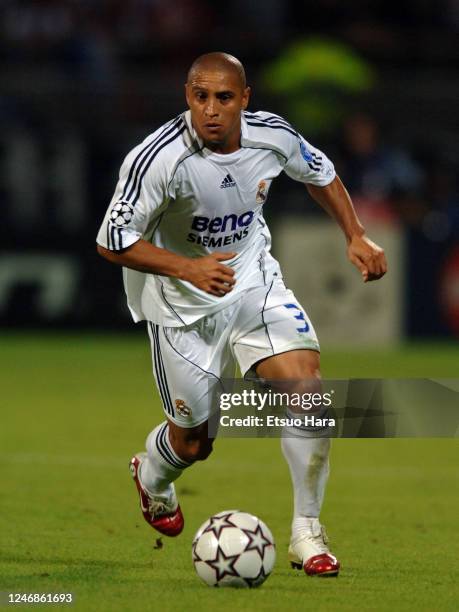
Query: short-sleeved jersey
{"points": [[179, 195]]}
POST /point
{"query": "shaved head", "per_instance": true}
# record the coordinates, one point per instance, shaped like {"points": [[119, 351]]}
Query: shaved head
{"points": [[217, 62], [217, 94]]}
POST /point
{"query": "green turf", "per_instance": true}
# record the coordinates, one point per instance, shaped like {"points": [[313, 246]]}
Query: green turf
{"points": [[76, 407]]}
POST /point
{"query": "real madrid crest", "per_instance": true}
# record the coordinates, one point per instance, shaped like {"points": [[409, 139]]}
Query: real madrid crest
{"points": [[261, 193], [182, 408]]}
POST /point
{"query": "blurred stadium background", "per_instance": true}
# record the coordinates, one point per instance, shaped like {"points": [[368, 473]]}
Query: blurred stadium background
{"points": [[373, 84]]}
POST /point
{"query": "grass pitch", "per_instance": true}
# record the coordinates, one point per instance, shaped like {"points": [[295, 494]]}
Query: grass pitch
{"points": [[75, 408]]}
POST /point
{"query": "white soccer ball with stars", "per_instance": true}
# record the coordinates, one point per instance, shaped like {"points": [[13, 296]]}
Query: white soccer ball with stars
{"points": [[233, 548]]}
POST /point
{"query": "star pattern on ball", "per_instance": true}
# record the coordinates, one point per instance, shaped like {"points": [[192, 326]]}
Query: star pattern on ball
{"points": [[223, 565], [194, 554], [218, 523], [257, 540], [254, 582]]}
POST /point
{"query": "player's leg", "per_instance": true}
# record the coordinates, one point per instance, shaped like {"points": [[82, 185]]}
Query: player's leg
{"points": [[186, 384], [307, 457], [191, 444], [276, 338], [170, 450]]}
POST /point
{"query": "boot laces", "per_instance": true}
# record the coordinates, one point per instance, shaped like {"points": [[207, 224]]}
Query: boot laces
{"points": [[317, 536], [156, 507]]}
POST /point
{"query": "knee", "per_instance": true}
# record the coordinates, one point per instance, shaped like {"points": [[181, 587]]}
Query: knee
{"points": [[308, 381], [310, 373], [299, 365], [311, 369]]}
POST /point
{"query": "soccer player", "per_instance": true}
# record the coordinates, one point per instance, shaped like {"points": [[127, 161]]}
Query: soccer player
{"points": [[186, 223]]}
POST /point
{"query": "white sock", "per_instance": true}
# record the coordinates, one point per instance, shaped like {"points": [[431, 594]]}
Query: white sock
{"points": [[308, 462], [163, 465]]}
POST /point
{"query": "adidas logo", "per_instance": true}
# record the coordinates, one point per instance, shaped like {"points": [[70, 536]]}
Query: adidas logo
{"points": [[227, 182]]}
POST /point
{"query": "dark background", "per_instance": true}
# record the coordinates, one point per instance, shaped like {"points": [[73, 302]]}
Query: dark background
{"points": [[82, 82]]}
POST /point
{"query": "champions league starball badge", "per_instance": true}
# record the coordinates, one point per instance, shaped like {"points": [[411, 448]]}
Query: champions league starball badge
{"points": [[121, 213]]}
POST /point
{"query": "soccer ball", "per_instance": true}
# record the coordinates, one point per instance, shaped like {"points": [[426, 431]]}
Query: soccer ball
{"points": [[233, 548]]}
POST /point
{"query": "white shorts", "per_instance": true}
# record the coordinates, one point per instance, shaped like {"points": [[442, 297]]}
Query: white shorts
{"points": [[189, 362]]}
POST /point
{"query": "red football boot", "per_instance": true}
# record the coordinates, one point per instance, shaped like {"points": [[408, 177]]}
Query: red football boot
{"points": [[308, 550], [161, 512]]}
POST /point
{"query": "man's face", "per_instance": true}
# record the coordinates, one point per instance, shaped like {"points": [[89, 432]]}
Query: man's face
{"points": [[216, 99]]}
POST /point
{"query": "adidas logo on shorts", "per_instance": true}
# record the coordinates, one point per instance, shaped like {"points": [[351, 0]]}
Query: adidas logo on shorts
{"points": [[228, 181]]}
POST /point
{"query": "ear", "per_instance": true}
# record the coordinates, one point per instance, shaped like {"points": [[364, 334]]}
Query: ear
{"points": [[246, 98], [187, 94]]}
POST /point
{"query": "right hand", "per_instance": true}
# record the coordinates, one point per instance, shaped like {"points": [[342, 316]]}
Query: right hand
{"points": [[208, 274], [367, 257]]}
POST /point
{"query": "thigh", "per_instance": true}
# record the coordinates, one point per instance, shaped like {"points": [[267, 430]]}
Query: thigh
{"points": [[188, 368], [271, 322]]}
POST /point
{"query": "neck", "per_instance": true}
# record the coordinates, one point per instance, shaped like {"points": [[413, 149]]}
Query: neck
{"points": [[223, 147]]}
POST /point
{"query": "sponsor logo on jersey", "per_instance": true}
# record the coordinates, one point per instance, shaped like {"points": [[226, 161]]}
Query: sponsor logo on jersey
{"points": [[261, 193], [182, 408], [228, 181], [222, 224], [235, 226]]}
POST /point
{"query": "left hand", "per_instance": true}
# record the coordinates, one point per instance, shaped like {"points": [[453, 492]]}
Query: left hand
{"points": [[368, 257]]}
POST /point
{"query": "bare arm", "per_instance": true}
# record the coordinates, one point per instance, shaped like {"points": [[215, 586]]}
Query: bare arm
{"points": [[367, 256], [206, 273]]}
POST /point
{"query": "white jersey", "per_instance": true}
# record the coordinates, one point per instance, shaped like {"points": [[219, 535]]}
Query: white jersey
{"points": [[179, 195]]}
